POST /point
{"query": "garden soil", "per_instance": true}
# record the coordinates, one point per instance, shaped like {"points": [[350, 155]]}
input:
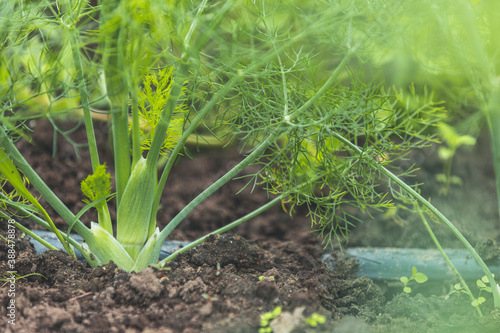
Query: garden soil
{"points": [[226, 283]]}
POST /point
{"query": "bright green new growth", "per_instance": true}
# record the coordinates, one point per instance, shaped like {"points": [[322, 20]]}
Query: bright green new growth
{"points": [[481, 285], [453, 141], [152, 98], [314, 319], [97, 187], [416, 276], [266, 318]]}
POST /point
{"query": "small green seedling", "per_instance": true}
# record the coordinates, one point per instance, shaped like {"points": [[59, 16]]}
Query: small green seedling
{"points": [[267, 317], [417, 276], [453, 141], [481, 285], [315, 319]]}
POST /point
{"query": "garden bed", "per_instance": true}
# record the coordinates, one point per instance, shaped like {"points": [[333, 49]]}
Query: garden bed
{"points": [[272, 260]]}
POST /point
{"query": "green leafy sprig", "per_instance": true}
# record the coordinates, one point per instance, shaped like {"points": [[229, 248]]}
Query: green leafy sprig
{"points": [[415, 276]]}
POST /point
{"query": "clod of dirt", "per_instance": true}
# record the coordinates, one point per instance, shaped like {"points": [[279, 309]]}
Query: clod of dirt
{"points": [[226, 249], [266, 289], [145, 285], [287, 321]]}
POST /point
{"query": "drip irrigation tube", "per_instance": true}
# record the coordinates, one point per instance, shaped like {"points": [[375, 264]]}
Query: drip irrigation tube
{"points": [[393, 263], [374, 263]]}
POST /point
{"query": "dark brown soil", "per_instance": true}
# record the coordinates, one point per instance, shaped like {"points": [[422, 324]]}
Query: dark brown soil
{"points": [[270, 261]]}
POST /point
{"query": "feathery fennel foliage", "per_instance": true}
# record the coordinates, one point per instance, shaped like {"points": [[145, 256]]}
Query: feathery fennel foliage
{"points": [[152, 97]]}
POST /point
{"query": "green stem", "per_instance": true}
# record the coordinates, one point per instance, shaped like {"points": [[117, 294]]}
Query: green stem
{"points": [[446, 258], [209, 106], [104, 216], [181, 76], [252, 157], [74, 243], [34, 236], [166, 115], [205, 34], [136, 142], [44, 224], [239, 221], [41, 187], [185, 135], [192, 27], [447, 170], [26, 230], [9, 171], [333, 77], [84, 92], [437, 213], [117, 89], [172, 102], [136, 49], [121, 145], [223, 229]]}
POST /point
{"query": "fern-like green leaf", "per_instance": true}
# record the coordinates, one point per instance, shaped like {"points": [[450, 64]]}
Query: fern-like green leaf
{"points": [[97, 185], [152, 99]]}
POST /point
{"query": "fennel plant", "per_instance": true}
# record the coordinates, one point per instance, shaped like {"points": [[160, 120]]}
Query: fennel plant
{"points": [[284, 78]]}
